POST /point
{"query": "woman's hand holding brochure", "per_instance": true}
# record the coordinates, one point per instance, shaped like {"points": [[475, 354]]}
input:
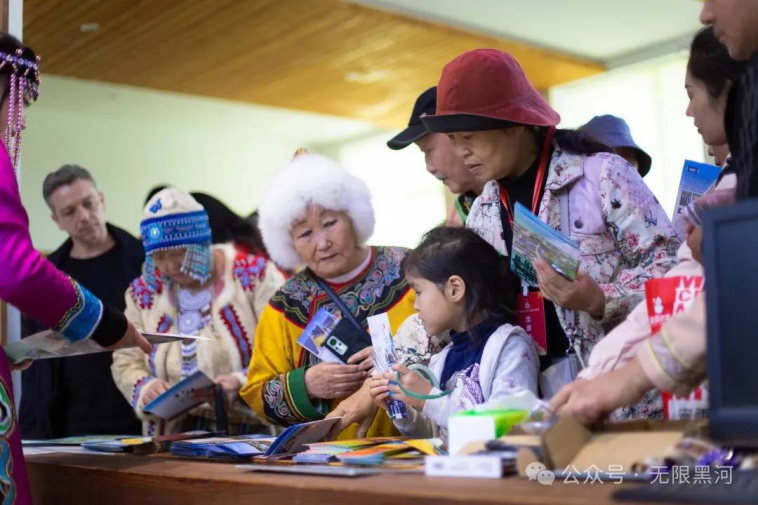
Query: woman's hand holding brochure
{"points": [[580, 294]]}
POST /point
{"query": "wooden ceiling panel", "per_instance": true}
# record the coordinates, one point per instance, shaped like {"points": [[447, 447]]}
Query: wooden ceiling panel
{"points": [[324, 56]]}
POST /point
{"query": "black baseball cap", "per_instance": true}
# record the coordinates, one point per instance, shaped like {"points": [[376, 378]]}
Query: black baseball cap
{"points": [[426, 104]]}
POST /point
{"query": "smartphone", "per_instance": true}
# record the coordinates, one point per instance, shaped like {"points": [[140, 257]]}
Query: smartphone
{"points": [[345, 340]]}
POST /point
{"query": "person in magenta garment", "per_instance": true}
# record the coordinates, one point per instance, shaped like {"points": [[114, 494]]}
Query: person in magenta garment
{"points": [[27, 280]]}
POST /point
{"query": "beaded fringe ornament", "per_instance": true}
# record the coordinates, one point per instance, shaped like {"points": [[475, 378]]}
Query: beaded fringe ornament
{"points": [[23, 88]]}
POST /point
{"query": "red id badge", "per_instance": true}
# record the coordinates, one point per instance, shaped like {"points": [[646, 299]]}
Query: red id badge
{"points": [[530, 315]]}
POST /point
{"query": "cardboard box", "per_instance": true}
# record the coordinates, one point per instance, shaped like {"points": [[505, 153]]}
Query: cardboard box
{"points": [[611, 448]]}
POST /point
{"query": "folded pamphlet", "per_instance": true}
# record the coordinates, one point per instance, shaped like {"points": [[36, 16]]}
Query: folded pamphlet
{"points": [[296, 437], [51, 344], [697, 179], [315, 333], [180, 397], [533, 239], [385, 357]]}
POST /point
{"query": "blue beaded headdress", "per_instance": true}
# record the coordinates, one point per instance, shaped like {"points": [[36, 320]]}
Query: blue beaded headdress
{"points": [[188, 230]]}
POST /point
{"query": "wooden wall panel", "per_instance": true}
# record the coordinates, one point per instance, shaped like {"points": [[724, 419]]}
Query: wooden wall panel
{"points": [[323, 56]]}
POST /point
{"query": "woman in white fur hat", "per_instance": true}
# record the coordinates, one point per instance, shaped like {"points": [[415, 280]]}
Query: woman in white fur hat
{"points": [[317, 215], [192, 288]]}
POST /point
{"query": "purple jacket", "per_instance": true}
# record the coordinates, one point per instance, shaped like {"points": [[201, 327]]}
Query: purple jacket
{"points": [[33, 285]]}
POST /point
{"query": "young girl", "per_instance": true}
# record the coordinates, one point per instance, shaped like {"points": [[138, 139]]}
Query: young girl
{"points": [[464, 286]]}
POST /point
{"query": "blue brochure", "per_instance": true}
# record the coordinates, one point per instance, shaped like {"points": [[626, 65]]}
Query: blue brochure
{"points": [[295, 438], [697, 179], [180, 397]]}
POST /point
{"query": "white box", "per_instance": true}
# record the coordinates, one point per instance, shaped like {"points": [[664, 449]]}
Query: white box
{"points": [[462, 430]]}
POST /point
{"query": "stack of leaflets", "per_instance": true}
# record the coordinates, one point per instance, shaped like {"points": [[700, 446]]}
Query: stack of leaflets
{"points": [[533, 239], [141, 445], [240, 447], [315, 334], [180, 397], [403, 449], [327, 452], [293, 439]]}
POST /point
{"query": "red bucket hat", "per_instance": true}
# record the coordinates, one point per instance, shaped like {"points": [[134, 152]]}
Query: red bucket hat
{"points": [[486, 89]]}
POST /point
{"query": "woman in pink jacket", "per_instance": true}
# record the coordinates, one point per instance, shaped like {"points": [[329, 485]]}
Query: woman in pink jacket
{"points": [[506, 134], [630, 358], [27, 280]]}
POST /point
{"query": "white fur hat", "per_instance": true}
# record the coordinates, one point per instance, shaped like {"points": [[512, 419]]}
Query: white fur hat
{"points": [[311, 179]]}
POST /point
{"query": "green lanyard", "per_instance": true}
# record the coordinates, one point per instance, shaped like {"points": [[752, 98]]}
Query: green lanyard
{"points": [[429, 376], [460, 210]]}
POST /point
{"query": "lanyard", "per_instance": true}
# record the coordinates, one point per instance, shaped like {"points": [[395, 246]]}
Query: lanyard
{"points": [[541, 174], [461, 213]]}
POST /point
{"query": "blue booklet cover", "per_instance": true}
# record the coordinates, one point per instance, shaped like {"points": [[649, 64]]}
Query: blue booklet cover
{"points": [[697, 179], [239, 447], [534, 239], [295, 437]]}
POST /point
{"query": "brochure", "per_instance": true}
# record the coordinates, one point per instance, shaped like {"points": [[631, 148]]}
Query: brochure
{"points": [[315, 333], [51, 344], [697, 179], [296, 437], [180, 397], [385, 357], [533, 239]]}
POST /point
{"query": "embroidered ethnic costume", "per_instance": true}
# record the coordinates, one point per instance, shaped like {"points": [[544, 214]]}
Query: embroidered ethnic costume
{"points": [[226, 309], [276, 386]]}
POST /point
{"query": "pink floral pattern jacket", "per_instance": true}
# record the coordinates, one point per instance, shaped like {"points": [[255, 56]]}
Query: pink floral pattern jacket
{"points": [[624, 234]]}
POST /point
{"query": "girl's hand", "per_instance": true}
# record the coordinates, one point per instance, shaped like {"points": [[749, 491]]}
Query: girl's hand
{"points": [[411, 381], [379, 391], [582, 294]]}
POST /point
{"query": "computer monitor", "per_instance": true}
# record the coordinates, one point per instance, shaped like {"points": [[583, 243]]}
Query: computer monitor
{"points": [[730, 251]]}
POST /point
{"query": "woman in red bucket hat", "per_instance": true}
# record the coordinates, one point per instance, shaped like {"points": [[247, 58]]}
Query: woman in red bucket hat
{"points": [[506, 134]]}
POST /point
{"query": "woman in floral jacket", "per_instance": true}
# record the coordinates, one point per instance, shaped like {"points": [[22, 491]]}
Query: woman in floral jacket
{"points": [[505, 132]]}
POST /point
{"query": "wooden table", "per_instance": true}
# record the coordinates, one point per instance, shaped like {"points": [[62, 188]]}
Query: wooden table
{"points": [[128, 479]]}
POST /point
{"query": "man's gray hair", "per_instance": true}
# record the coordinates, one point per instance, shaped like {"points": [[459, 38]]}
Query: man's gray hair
{"points": [[65, 175]]}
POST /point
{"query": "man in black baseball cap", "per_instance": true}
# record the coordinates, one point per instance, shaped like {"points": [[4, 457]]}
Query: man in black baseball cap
{"points": [[441, 160]]}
